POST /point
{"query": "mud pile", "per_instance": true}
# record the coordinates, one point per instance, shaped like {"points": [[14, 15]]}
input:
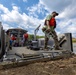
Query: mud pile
{"points": [[65, 66]]}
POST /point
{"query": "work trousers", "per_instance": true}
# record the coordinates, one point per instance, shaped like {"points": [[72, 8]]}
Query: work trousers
{"points": [[53, 34]]}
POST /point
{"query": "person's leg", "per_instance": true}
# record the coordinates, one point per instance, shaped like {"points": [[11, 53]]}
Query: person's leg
{"points": [[24, 42], [8, 45], [54, 35], [46, 42], [27, 42]]}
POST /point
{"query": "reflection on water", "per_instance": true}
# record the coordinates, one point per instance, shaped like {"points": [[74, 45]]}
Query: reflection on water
{"points": [[74, 48]]}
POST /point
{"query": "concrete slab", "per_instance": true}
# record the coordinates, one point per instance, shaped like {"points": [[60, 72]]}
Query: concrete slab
{"points": [[18, 52], [21, 50]]}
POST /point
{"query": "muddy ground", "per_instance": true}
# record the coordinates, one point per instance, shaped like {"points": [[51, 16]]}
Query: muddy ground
{"points": [[65, 66]]}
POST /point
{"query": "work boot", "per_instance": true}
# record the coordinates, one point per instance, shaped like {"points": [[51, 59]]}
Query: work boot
{"points": [[10, 48], [45, 49], [58, 48]]}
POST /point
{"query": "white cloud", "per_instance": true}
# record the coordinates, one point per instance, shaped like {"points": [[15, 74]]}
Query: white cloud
{"points": [[57, 5], [37, 9], [24, 0], [22, 20], [66, 8], [6, 26], [66, 19], [67, 13], [67, 26], [4, 9], [11, 16]]}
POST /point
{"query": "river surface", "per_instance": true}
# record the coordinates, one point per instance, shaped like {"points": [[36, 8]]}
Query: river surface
{"points": [[74, 48]]}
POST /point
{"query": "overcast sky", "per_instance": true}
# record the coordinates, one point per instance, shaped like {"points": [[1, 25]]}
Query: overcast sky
{"points": [[28, 14]]}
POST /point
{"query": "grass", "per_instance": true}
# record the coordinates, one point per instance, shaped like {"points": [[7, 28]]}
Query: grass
{"points": [[74, 40]]}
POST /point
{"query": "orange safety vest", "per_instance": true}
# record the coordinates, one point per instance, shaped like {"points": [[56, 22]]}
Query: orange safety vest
{"points": [[26, 36], [52, 22], [13, 38]]}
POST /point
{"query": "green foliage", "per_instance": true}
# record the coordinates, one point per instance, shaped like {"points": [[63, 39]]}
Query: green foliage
{"points": [[39, 37], [31, 37], [74, 40]]}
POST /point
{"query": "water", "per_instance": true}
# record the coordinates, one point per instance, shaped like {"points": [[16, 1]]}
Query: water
{"points": [[74, 48]]}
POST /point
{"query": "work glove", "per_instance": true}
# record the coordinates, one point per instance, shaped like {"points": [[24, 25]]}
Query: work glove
{"points": [[48, 30], [44, 29]]}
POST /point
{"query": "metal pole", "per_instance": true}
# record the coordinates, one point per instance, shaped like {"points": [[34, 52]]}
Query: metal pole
{"points": [[35, 31]]}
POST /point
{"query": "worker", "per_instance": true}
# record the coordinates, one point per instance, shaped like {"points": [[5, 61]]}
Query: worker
{"points": [[8, 41], [25, 37], [50, 25], [13, 38]]}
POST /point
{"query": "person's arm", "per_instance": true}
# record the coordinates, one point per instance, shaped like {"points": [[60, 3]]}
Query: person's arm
{"points": [[47, 22]]}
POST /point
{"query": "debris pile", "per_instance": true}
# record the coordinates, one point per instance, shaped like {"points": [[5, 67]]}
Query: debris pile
{"points": [[66, 66]]}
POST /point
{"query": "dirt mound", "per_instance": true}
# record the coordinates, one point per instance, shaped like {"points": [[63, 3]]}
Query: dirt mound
{"points": [[57, 67]]}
